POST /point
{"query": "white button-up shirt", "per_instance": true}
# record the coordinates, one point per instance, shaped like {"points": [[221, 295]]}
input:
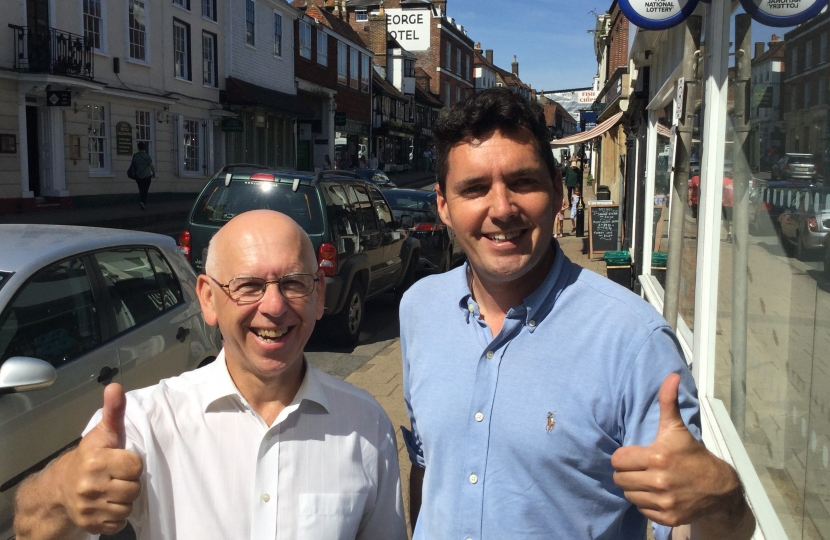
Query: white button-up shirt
{"points": [[327, 468]]}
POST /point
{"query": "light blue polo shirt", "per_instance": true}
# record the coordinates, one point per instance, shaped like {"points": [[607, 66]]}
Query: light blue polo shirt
{"points": [[516, 433]]}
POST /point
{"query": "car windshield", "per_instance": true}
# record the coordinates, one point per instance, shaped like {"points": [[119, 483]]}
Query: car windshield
{"points": [[801, 159], [420, 207], [219, 203]]}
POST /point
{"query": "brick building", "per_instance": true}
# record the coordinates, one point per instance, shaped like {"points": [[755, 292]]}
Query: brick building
{"points": [[333, 72], [767, 135], [805, 94], [484, 69]]}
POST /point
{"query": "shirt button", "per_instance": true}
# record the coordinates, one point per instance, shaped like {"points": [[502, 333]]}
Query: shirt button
{"points": [[479, 417], [531, 323], [266, 497], [473, 479], [489, 355], [471, 307]]}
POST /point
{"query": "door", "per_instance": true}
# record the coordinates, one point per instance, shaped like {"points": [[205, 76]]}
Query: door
{"points": [[33, 143], [55, 317], [147, 313], [392, 239], [371, 241]]}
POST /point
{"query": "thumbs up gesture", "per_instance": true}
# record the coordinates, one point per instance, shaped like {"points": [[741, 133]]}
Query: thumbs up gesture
{"points": [[675, 480], [100, 479]]}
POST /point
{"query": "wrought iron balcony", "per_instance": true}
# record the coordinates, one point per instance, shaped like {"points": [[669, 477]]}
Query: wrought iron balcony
{"points": [[40, 49]]}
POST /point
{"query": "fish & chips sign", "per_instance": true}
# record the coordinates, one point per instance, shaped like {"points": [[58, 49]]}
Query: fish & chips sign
{"points": [[410, 27], [657, 14]]}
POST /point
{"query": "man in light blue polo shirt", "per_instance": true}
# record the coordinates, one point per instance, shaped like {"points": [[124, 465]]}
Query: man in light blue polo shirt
{"points": [[545, 401]]}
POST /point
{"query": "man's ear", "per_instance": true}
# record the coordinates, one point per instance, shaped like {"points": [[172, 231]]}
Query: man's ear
{"points": [[441, 203], [321, 294], [206, 300]]}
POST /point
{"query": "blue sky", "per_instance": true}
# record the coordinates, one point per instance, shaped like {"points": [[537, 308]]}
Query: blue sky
{"points": [[549, 37]]}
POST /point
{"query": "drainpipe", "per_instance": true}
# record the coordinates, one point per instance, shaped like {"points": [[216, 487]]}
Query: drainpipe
{"points": [[680, 189], [740, 216]]}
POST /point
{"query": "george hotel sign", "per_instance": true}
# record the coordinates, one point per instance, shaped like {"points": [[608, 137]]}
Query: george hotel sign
{"points": [[410, 27]]}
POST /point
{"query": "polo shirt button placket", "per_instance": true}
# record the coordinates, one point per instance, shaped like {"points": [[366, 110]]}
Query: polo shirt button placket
{"points": [[531, 323], [490, 355], [479, 417], [473, 479]]}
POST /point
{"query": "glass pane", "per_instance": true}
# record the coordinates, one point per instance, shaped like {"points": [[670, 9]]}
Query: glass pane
{"points": [[53, 317], [132, 286], [171, 291]]}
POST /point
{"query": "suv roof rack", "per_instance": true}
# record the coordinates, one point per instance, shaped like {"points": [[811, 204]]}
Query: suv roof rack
{"points": [[239, 166], [333, 172]]}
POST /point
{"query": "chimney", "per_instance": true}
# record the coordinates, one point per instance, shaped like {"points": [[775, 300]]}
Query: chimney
{"points": [[775, 38], [488, 54], [478, 46], [441, 5], [378, 36], [336, 9], [515, 66], [759, 48], [330, 5], [344, 12]]}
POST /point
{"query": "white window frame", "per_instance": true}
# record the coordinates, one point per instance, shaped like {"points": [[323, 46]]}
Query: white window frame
{"points": [[102, 30], [198, 153], [278, 35], [148, 129], [322, 47], [183, 4], [364, 73], [305, 40], [250, 36], [361, 16], [209, 13], [187, 66], [342, 63], [102, 121], [354, 68], [211, 63], [130, 43]]}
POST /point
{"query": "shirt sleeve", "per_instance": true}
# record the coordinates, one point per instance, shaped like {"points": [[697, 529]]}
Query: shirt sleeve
{"points": [[386, 520], [411, 438]]}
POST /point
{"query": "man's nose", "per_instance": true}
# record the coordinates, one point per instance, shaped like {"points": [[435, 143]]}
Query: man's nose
{"points": [[273, 302], [501, 203]]}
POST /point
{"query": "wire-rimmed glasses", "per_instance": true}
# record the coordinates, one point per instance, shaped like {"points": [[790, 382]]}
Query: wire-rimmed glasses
{"points": [[252, 289]]}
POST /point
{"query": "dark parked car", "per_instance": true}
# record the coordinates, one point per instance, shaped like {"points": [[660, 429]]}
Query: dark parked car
{"points": [[768, 200], [806, 222], [439, 247], [361, 247], [794, 167], [375, 176]]}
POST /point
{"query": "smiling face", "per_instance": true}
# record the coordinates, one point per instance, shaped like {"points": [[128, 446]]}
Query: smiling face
{"points": [[499, 200], [263, 339]]}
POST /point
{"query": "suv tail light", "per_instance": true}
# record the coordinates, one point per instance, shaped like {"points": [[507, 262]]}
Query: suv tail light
{"points": [[263, 177], [428, 227], [184, 244], [812, 223], [327, 258]]}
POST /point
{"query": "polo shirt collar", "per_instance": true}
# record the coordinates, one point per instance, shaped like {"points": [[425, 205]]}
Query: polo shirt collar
{"points": [[220, 385], [535, 307]]}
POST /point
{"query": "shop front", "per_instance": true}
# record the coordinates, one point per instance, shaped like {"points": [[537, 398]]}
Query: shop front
{"points": [[748, 279], [351, 144]]}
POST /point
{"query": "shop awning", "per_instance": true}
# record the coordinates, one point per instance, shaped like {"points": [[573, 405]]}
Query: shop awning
{"points": [[588, 135], [239, 92]]}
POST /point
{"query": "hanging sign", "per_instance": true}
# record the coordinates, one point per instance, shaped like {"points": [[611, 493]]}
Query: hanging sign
{"points": [[783, 12], [658, 14]]}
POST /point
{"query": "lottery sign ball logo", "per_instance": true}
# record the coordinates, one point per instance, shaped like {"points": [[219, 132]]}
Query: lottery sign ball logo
{"points": [[657, 14]]}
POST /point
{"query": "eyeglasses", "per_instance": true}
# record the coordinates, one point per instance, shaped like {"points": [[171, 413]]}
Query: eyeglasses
{"points": [[252, 289]]}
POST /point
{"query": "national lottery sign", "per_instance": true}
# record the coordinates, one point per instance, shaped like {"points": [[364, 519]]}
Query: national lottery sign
{"points": [[658, 14], [783, 12]]}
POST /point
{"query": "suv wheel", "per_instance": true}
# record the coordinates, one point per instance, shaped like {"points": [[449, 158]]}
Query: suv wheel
{"points": [[345, 326]]}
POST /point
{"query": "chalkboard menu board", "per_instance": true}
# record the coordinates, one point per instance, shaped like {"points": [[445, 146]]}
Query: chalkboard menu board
{"points": [[603, 227]]}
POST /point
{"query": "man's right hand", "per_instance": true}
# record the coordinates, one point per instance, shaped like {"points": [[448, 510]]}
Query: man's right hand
{"points": [[99, 480]]}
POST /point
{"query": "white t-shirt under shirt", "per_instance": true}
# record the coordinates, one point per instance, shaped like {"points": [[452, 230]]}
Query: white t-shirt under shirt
{"points": [[327, 468]]}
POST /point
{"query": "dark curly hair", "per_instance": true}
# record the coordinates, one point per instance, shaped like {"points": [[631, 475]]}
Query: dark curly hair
{"points": [[480, 114]]}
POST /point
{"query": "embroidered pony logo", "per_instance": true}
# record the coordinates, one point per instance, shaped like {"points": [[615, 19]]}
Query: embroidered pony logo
{"points": [[551, 422]]}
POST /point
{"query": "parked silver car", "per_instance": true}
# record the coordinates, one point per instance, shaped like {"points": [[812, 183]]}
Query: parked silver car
{"points": [[805, 223], [80, 308], [794, 167]]}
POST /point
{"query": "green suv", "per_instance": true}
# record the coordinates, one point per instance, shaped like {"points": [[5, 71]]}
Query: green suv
{"points": [[360, 246]]}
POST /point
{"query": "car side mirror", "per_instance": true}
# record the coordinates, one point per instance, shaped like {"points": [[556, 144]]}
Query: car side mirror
{"points": [[22, 374], [407, 221]]}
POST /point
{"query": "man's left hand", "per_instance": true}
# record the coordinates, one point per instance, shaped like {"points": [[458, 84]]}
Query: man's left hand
{"points": [[675, 480]]}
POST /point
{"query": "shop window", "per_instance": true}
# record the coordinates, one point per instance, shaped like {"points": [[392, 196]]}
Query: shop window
{"points": [[305, 40], [192, 143], [144, 130], [97, 137], [137, 16]]}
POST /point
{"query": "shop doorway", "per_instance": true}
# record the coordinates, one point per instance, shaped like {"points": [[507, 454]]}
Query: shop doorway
{"points": [[33, 155]]}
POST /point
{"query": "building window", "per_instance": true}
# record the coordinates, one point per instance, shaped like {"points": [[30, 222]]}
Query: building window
{"points": [[277, 34], [210, 74], [364, 73], [361, 16], [409, 68], [181, 50], [808, 55], [322, 48], [795, 61], [457, 94], [192, 144], [467, 67], [250, 22], [342, 63], [807, 95], [448, 56], [209, 9], [184, 4], [458, 60], [93, 23], [305, 40], [822, 91], [793, 99], [144, 130], [822, 50], [354, 67], [447, 95], [138, 29], [97, 140]]}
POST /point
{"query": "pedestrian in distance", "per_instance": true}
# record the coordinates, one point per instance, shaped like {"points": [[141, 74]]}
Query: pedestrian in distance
{"points": [[571, 178], [373, 161], [327, 161], [575, 198], [142, 171], [726, 205], [559, 223], [512, 434], [257, 444]]}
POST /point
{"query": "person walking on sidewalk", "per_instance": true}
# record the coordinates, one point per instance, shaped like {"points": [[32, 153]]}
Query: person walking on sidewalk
{"points": [[512, 435], [575, 198], [571, 178], [270, 446], [144, 171]]}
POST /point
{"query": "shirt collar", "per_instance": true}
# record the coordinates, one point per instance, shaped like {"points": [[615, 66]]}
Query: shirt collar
{"points": [[536, 306], [220, 385]]}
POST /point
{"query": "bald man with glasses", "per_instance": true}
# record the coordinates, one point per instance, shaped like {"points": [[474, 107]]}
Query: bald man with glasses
{"points": [[257, 444]]}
